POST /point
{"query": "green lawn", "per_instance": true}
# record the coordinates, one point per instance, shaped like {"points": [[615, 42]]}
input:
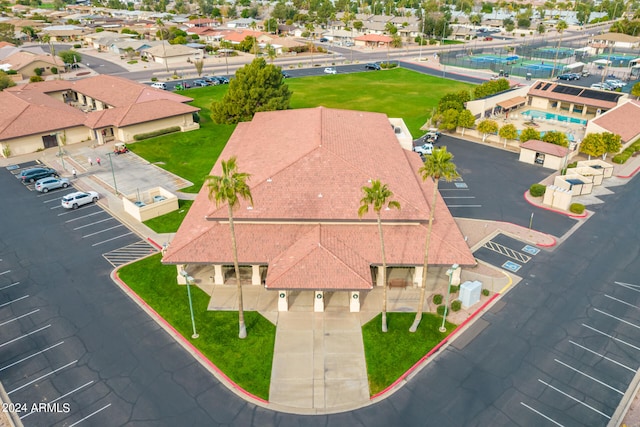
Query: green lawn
{"points": [[391, 354], [397, 93], [246, 362], [170, 222]]}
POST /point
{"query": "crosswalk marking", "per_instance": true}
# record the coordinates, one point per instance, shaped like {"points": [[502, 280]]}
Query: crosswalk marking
{"points": [[129, 253], [508, 252]]}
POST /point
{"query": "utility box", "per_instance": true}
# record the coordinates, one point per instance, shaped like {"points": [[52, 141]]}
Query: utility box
{"points": [[470, 293]]}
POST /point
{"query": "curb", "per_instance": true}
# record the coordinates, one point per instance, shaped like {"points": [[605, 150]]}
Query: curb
{"points": [[424, 358], [630, 175], [570, 215], [179, 338]]}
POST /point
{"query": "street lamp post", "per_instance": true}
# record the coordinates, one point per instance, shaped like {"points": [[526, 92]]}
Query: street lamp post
{"points": [[113, 174], [60, 151], [450, 272], [189, 279]]}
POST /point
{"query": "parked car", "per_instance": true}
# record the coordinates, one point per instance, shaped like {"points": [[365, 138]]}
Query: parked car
{"points": [[213, 81], [159, 85], [285, 75], [223, 80], [324, 40], [34, 174], [585, 74], [424, 148], [183, 86], [575, 76], [348, 44], [599, 86], [120, 148], [615, 83], [330, 70], [565, 77], [45, 184], [372, 66], [79, 198], [200, 83]]}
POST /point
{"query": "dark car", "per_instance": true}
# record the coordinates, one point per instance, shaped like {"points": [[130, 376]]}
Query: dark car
{"points": [[34, 174], [565, 77], [324, 40], [200, 83], [211, 80], [223, 80], [286, 75], [372, 66]]}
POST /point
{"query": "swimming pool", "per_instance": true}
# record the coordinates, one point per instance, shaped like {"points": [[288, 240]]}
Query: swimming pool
{"points": [[535, 114]]}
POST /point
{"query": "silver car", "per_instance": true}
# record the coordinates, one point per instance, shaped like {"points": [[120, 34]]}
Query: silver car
{"points": [[79, 198], [45, 184]]}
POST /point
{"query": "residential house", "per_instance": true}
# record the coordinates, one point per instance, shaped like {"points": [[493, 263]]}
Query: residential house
{"points": [[172, 54], [623, 120]]}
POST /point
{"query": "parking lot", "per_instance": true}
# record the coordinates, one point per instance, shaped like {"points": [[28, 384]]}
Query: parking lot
{"points": [[508, 253], [52, 361]]}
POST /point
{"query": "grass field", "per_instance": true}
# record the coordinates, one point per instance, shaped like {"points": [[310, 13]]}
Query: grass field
{"points": [[247, 362], [169, 223]]}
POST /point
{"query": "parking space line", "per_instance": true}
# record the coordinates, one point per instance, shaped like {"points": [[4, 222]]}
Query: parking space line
{"points": [[9, 286], [6, 322], [30, 356], [590, 377], [603, 356], [574, 399], [617, 318], [84, 216], [53, 200], [541, 414], [69, 211], [5, 272], [508, 252], [611, 336], [25, 335], [464, 206], [90, 415], [620, 301], [458, 197], [61, 397], [113, 238], [42, 377], [102, 231], [14, 300], [628, 286], [93, 223], [57, 207]]}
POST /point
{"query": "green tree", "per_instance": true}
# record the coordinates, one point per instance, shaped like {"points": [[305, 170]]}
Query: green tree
{"points": [[556, 138], [612, 143], [528, 134], [593, 145], [30, 32], [487, 127], [258, 86], [508, 131], [635, 90], [524, 22], [5, 81], [438, 165], [228, 188], [466, 120], [7, 33], [448, 120], [70, 56], [376, 197]]}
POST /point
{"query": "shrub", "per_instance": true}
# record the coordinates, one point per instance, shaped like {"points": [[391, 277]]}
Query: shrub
{"points": [[141, 136], [34, 79], [388, 65], [132, 62], [576, 208], [12, 72], [54, 70], [77, 46], [485, 292], [440, 310], [456, 305], [537, 190], [6, 151], [154, 79], [621, 158], [38, 71], [437, 299], [453, 289], [572, 165]]}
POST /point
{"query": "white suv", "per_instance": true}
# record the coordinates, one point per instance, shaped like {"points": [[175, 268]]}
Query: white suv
{"points": [[330, 70], [75, 200], [424, 149], [159, 85]]}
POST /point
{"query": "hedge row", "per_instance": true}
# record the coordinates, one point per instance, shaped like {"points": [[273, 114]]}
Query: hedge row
{"points": [[141, 136], [630, 151]]}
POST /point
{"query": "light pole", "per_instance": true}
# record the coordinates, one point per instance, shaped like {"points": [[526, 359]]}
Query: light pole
{"points": [[189, 279], [60, 152], [113, 174], [450, 272]]}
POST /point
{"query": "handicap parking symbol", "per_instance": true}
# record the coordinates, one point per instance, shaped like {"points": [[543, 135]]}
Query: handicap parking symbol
{"points": [[530, 250], [511, 266]]}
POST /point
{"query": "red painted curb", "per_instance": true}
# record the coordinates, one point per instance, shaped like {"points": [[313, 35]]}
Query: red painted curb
{"points": [[571, 215], [154, 243], [434, 349], [547, 245], [630, 175], [184, 340]]}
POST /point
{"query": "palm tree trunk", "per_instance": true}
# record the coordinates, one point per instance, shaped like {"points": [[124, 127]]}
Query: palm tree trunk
{"points": [[555, 60], [384, 277], [416, 322], [242, 327]]}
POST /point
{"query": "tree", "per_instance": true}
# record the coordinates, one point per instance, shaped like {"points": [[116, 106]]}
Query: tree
{"points": [[7, 33], [556, 138], [466, 120], [271, 52], [438, 165], [199, 64], [448, 120], [228, 188], [52, 49], [30, 32], [508, 131], [70, 56], [377, 196], [560, 27], [226, 45], [528, 134], [612, 143], [635, 90], [258, 86], [487, 127], [162, 39], [593, 145], [5, 81]]}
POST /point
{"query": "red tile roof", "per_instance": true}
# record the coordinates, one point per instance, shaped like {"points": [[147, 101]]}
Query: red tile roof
{"points": [[308, 167], [545, 147], [623, 120]]}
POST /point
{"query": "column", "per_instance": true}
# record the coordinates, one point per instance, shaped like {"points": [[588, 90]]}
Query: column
{"points": [[255, 275], [417, 276], [283, 301], [379, 276], [354, 301], [218, 278], [318, 301], [180, 278]]}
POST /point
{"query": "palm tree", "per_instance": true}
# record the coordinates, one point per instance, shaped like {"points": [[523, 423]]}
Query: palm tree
{"points": [[377, 196], [52, 49], [164, 51], [438, 165], [226, 188], [560, 27]]}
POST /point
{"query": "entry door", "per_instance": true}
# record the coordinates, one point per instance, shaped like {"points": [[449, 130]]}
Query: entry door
{"points": [[50, 141]]}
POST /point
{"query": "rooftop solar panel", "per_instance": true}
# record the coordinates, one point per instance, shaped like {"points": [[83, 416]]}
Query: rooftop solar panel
{"points": [[601, 95], [546, 86], [567, 90]]}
